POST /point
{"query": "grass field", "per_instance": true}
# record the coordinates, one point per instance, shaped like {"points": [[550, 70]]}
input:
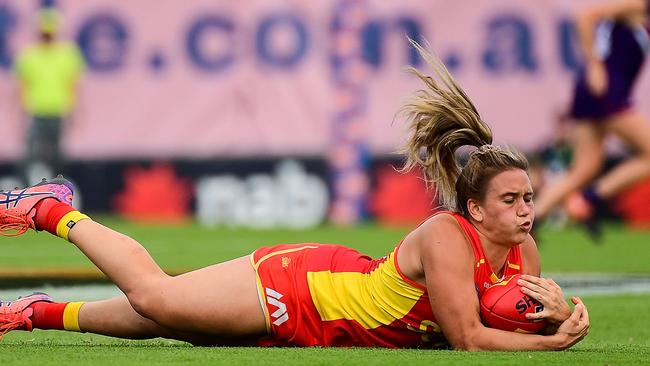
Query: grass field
{"points": [[620, 333], [183, 247]]}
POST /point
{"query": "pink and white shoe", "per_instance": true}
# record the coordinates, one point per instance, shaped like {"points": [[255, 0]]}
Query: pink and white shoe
{"points": [[17, 206], [17, 314]]}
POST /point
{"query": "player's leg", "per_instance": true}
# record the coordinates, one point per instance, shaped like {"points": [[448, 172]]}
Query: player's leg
{"points": [[587, 161], [633, 128], [113, 317], [221, 299], [116, 317]]}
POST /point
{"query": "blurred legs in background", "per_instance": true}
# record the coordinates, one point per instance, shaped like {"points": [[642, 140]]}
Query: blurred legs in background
{"points": [[42, 157], [589, 155], [587, 161], [633, 128]]}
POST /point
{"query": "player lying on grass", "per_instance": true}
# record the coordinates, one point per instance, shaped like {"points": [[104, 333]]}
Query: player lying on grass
{"points": [[425, 293]]}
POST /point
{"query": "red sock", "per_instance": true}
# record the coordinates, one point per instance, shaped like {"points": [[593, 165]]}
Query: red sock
{"points": [[48, 315], [48, 214]]}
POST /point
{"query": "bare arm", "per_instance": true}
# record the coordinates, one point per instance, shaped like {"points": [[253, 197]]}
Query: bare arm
{"points": [[586, 21], [627, 10], [447, 261]]}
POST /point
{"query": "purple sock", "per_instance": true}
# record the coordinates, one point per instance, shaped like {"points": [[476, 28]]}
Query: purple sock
{"points": [[592, 197]]}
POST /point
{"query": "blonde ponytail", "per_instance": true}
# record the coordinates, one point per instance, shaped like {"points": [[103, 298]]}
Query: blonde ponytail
{"points": [[441, 119]]}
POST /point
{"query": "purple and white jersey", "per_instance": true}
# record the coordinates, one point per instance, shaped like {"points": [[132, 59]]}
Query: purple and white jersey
{"points": [[623, 49]]}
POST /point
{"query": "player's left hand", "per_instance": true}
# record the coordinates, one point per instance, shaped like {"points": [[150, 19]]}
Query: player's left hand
{"points": [[546, 291]]}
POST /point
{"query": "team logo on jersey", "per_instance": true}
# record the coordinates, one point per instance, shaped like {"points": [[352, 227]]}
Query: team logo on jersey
{"points": [[280, 315]]}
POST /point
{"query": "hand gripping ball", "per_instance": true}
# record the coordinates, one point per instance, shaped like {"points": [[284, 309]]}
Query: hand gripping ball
{"points": [[504, 306]]}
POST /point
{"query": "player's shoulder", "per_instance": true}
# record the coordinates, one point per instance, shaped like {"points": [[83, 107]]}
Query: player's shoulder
{"points": [[441, 242], [443, 226], [444, 220]]}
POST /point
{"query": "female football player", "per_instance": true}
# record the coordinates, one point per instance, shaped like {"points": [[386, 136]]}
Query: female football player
{"points": [[614, 41], [425, 293]]}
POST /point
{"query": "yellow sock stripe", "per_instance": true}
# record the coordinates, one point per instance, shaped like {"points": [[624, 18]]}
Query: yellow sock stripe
{"points": [[67, 221], [71, 316]]}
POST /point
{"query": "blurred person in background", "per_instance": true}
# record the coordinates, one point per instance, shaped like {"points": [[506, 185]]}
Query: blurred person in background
{"points": [[47, 73], [424, 294], [550, 163], [614, 39]]}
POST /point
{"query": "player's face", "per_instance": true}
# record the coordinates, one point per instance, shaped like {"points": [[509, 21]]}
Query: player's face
{"points": [[508, 207]]}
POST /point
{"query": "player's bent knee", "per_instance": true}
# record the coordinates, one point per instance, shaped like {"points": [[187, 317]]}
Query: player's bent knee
{"points": [[142, 303], [148, 300]]}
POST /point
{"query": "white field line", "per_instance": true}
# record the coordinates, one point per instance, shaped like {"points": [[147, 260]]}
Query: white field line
{"points": [[601, 284]]}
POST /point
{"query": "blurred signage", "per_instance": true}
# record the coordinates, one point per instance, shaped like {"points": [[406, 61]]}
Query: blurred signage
{"points": [[288, 198], [208, 79], [254, 193]]}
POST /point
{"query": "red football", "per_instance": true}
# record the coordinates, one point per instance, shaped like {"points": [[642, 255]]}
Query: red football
{"points": [[504, 306]]}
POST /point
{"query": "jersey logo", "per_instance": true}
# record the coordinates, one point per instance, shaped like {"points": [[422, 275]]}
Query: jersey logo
{"points": [[280, 315], [286, 261]]}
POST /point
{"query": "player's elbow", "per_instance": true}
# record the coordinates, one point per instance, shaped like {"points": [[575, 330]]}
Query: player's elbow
{"points": [[465, 340], [467, 345]]}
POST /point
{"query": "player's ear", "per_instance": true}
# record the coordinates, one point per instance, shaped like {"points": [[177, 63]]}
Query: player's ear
{"points": [[475, 210]]}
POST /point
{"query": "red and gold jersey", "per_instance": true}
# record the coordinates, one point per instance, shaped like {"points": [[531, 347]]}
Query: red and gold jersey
{"points": [[484, 276], [330, 295]]}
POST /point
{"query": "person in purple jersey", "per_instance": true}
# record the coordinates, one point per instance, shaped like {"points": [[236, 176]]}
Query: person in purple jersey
{"points": [[614, 41]]}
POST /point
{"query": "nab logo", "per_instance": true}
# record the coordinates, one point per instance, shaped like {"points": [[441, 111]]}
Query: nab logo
{"points": [[273, 298]]}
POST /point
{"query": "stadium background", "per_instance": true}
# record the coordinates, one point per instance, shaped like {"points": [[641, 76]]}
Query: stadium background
{"points": [[207, 98]]}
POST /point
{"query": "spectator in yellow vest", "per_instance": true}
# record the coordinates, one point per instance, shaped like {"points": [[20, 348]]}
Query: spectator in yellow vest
{"points": [[47, 72]]}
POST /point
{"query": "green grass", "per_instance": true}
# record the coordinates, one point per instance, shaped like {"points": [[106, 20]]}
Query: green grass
{"points": [[620, 335], [189, 246]]}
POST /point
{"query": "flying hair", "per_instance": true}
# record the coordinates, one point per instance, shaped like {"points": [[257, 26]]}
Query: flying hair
{"points": [[441, 118]]}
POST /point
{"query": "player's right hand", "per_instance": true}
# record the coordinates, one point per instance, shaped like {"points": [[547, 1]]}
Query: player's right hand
{"points": [[574, 329]]}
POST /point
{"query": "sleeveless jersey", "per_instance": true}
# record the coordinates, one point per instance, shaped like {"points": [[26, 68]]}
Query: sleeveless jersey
{"points": [[622, 48], [349, 299]]}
